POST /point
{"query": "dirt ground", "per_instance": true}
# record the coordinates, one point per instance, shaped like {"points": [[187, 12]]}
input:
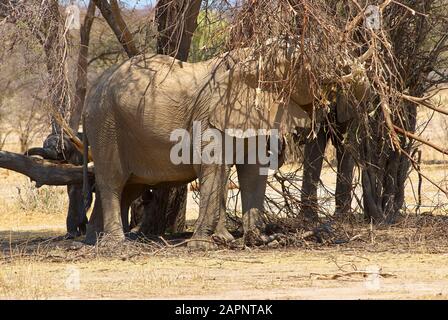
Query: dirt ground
{"points": [[409, 260], [399, 262], [259, 274]]}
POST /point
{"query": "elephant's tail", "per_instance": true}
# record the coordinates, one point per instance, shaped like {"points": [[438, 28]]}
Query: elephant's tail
{"points": [[86, 189]]}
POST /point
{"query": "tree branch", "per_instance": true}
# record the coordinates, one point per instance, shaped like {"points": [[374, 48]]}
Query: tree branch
{"points": [[42, 171], [419, 139], [111, 12], [81, 79]]}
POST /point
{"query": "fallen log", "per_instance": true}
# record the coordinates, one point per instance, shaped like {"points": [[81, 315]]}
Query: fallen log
{"points": [[43, 172]]}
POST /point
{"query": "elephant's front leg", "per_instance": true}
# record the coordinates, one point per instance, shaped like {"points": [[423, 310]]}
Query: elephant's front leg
{"points": [[253, 189], [346, 163], [212, 206], [312, 167]]}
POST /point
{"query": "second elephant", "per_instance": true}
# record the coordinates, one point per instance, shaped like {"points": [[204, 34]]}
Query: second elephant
{"points": [[337, 127]]}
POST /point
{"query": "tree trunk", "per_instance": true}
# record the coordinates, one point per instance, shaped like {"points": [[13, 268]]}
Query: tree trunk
{"points": [[385, 169], [55, 48], [176, 23], [81, 80], [159, 211], [111, 12]]}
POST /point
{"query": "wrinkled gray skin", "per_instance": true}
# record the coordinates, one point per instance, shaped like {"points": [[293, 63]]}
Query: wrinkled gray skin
{"points": [[133, 108], [76, 221], [130, 114], [340, 119], [57, 148]]}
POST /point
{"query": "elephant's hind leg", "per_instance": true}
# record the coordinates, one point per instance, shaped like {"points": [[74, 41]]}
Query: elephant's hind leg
{"points": [[110, 184], [221, 232], [110, 202], [312, 167]]}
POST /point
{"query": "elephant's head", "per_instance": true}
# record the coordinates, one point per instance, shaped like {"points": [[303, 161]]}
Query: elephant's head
{"points": [[241, 99]]}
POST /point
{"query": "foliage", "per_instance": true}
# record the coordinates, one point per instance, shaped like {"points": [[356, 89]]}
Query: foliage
{"points": [[209, 38]]}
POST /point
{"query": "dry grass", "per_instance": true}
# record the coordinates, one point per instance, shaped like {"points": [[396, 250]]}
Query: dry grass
{"points": [[36, 264], [225, 274]]}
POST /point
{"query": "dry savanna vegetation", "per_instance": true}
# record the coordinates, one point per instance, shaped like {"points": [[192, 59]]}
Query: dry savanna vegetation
{"points": [[359, 209]]}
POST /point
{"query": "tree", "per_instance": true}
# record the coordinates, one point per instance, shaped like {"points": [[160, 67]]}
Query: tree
{"points": [[81, 79], [43, 20], [419, 46], [209, 38], [176, 22]]}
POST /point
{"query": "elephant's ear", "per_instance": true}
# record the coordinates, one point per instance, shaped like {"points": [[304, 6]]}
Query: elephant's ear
{"points": [[236, 104]]}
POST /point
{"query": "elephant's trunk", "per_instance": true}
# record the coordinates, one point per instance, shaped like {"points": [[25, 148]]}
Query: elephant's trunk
{"points": [[46, 153]]}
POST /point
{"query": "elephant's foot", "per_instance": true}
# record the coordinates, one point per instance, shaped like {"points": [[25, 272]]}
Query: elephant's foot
{"points": [[202, 240], [112, 239], [222, 235], [254, 228], [94, 235]]}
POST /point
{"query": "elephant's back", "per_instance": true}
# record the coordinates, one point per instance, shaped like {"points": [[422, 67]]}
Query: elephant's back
{"points": [[153, 91], [96, 95]]}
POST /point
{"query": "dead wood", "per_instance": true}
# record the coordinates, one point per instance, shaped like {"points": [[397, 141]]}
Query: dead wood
{"points": [[43, 172]]}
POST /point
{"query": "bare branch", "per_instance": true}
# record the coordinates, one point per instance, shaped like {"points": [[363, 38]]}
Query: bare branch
{"points": [[42, 171]]}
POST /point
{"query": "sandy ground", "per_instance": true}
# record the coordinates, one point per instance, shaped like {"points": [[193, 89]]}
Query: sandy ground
{"points": [[411, 266], [273, 274], [315, 272]]}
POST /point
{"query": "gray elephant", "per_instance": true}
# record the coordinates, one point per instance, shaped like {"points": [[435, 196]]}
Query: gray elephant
{"points": [[59, 147], [132, 111], [337, 127], [134, 108]]}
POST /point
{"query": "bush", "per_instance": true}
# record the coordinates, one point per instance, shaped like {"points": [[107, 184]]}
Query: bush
{"points": [[46, 199]]}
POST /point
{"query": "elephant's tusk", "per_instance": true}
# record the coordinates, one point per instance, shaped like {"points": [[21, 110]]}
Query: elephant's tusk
{"points": [[366, 55], [355, 76]]}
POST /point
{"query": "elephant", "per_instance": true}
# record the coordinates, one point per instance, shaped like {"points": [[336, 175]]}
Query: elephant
{"points": [[59, 147], [134, 108], [336, 127]]}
